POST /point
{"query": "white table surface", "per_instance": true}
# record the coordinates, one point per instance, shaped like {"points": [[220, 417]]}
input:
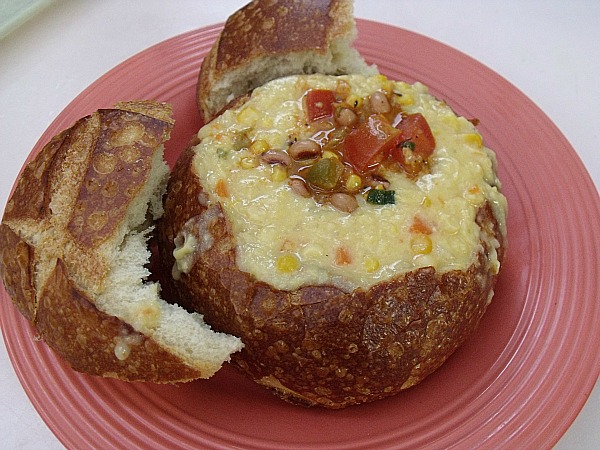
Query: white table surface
{"points": [[548, 49]]}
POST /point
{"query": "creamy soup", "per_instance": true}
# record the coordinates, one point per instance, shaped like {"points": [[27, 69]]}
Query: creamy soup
{"points": [[333, 210]]}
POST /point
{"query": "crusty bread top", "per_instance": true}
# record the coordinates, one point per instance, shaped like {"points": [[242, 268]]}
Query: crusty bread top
{"points": [[88, 182], [78, 223], [268, 39], [272, 27]]}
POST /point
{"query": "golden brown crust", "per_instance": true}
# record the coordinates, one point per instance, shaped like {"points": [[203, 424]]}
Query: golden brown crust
{"points": [[86, 338], [70, 200], [16, 269], [31, 196], [285, 26], [265, 28], [319, 345], [116, 172], [150, 108]]}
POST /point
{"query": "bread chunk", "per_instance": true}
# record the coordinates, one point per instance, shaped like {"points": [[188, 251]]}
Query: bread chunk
{"points": [[268, 39], [74, 252]]}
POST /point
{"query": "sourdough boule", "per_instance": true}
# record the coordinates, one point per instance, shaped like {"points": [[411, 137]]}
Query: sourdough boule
{"points": [[348, 229]]}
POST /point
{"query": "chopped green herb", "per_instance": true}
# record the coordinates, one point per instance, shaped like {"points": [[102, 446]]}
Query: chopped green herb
{"points": [[381, 197]]}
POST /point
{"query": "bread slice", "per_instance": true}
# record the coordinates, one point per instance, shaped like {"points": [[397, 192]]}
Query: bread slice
{"points": [[74, 253], [268, 39]]}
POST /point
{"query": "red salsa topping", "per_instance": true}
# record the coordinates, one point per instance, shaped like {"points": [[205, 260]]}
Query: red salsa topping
{"points": [[352, 142]]}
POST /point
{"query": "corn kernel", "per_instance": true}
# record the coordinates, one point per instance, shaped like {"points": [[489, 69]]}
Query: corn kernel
{"points": [[248, 162], [343, 88], [354, 101], [406, 100], [287, 263], [474, 139], [279, 173], [371, 264], [426, 201], [381, 78], [451, 121], [354, 182], [259, 146], [421, 244], [248, 116], [266, 122], [400, 86], [386, 84], [329, 154]]}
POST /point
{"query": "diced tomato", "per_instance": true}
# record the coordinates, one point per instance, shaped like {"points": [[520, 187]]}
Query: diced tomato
{"points": [[319, 103], [370, 143], [414, 128]]}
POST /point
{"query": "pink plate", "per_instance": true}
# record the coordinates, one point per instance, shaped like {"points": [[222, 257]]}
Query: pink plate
{"points": [[518, 382]]}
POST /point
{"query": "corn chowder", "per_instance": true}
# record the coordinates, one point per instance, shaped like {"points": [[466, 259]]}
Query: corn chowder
{"points": [[347, 181]]}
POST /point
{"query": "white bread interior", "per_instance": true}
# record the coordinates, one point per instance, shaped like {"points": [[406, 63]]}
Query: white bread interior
{"points": [[128, 296]]}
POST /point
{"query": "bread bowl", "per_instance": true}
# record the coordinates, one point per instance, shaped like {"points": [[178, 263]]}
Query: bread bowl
{"points": [[269, 39], [337, 302], [74, 254]]}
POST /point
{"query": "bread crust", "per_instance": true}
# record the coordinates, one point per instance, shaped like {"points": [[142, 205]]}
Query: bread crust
{"points": [[86, 338], [265, 29], [69, 212], [319, 345], [285, 27], [17, 269]]}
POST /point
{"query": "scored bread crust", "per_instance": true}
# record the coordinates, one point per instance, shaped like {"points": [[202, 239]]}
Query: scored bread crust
{"points": [[268, 39], [74, 209], [319, 345]]}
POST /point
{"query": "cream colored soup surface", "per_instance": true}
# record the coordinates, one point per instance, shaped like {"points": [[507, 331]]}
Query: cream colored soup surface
{"points": [[290, 241]]}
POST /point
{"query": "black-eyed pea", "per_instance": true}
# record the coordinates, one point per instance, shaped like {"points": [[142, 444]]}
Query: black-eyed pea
{"points": [[304, 149], [299, 187], [346, 117], [344, 202], [379, 103], [276, 157]]}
